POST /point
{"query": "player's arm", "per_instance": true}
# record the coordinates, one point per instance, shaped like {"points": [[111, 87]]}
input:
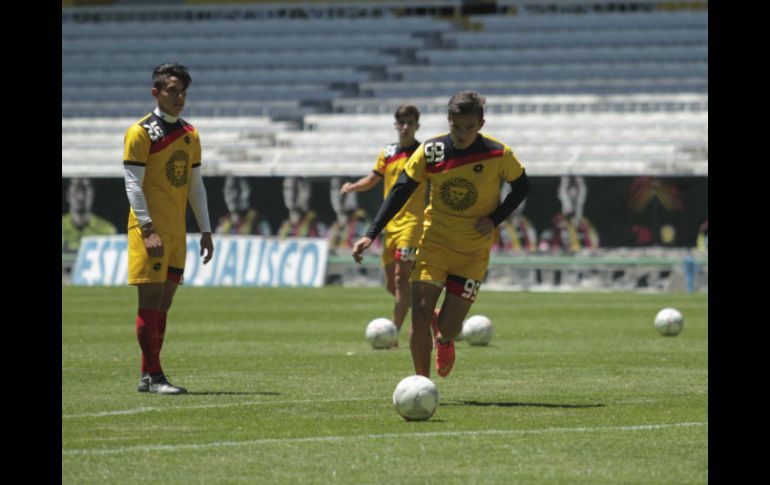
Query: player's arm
{"points": [[363, 184], [397, 197], [133, 173], [519, 192], [200, 207]]}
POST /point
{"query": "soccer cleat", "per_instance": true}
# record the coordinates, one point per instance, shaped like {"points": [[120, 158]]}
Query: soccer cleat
{"points": [[160, 385], [144, 383], [445, 357]]}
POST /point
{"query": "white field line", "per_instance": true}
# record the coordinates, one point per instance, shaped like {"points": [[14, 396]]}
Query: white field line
{"points": [[148, 409], [322, 439]]}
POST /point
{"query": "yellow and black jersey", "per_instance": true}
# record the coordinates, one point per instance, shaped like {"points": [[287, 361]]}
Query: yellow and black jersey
{"points": [[168, 152], [465, 185], [390, 163]]}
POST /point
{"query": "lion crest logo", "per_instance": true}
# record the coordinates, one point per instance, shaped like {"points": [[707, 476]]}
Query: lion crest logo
{"points": [[177, 171], [458, 193]]}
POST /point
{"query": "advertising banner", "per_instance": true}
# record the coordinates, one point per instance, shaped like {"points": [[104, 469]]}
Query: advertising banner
{"points": [[237, 261]]}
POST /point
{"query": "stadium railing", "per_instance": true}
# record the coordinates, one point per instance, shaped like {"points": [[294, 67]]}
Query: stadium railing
{"points": [[652, 269]]}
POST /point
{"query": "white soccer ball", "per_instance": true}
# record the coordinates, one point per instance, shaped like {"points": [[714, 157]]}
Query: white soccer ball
{"points": [[477, 330], [416, 398], [381, 333], [669, 322]]}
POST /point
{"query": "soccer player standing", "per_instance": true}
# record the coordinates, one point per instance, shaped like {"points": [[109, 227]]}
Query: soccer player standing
{"points": [[162, 166], [402, 233], [465, 169]]}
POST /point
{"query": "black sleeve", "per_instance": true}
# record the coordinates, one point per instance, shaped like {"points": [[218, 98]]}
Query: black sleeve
{"points": [[397, 197], [519, 191]]}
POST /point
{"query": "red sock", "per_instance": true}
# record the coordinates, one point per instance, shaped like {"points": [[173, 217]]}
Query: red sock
{"points": [[147, 325], [157, 340]]}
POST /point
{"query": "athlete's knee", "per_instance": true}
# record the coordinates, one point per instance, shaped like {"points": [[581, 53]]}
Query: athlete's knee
{"points": [[151, 295]]}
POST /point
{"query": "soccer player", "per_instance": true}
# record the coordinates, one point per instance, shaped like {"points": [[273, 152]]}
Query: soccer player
{"points": [[162, 165], [403, 231], [464, 168]]}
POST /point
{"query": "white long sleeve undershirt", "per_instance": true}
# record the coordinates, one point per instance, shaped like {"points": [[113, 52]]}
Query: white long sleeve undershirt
{"points": [[134, 176], [198, 200]]}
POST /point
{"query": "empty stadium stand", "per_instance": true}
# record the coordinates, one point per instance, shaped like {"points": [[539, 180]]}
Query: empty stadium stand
{"points": [[579, 87]]}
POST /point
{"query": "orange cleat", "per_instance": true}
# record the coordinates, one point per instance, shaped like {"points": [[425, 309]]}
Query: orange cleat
{"points": [[445, 357]]}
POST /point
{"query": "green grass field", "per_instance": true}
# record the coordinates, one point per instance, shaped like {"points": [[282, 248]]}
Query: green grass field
{"points": [[574, 388]]}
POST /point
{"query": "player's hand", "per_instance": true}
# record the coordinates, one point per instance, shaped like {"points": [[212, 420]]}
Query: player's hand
{"points": [[152, 242], [359, 247], [346, 187], [484, 225], [207, 247]]}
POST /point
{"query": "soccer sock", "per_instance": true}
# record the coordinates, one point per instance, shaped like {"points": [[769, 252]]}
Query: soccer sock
{"points": [[158, 337], [161, 330], [147, 323]]}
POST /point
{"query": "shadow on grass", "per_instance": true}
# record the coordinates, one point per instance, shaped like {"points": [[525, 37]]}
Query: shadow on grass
{"points": [[522, 404], [231, 393], [426, 422]]}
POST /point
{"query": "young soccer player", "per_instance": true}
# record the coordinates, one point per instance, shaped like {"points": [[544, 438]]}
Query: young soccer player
{"points": [[465, 169], [403, 232], [162, 165]]}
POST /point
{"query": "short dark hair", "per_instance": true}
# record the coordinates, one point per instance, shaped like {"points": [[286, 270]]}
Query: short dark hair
{"points": [[407, 110], [166, 70], [467, 102]]}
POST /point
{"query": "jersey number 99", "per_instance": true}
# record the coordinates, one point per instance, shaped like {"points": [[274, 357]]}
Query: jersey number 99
{"points": [[471, 289], [434, 152]]}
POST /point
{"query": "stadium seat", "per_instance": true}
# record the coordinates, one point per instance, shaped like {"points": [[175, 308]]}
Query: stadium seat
{"points": [[605, 93]]}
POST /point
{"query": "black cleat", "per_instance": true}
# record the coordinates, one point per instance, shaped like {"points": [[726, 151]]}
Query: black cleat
{"points": [[144, 383], [159, 384]]}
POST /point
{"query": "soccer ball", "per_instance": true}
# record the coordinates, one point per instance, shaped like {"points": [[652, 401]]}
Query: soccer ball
{"points": [[477, 330], [381, 333], [669, 322], [415, 398]]}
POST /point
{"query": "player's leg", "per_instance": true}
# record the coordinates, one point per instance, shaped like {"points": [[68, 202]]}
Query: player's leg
{"points": [[148, 320], [461, 293], [389, 270], [449, 322], [174, 279], [177, 251], [399, 313], [403, 294], [425, 295], [389, 262], [404, 251], [428, 279], [150, 275], [156, 378]]}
